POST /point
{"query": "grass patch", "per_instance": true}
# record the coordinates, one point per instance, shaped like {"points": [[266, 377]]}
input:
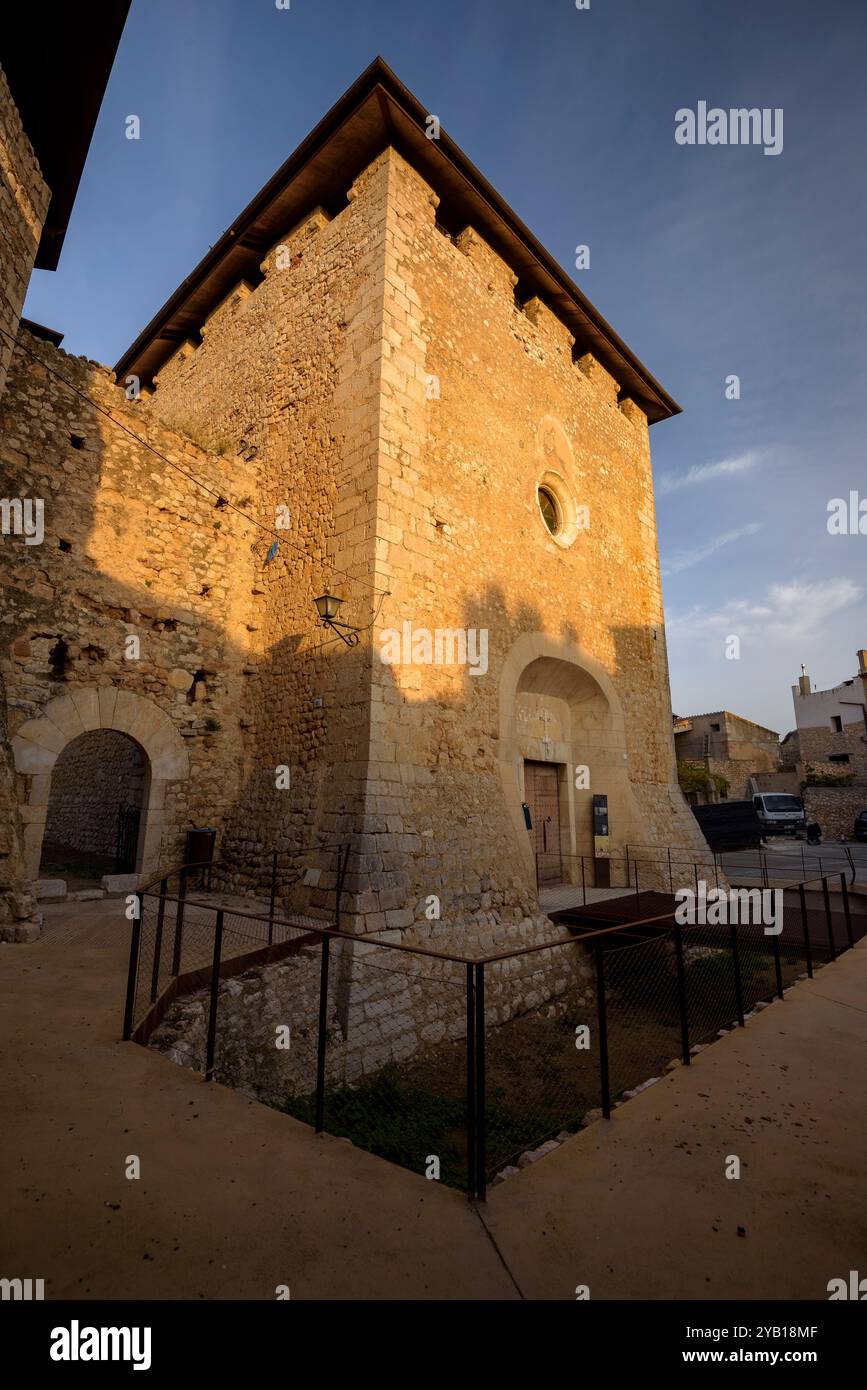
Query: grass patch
{"points": [[537, 1084], [391, 1116]]}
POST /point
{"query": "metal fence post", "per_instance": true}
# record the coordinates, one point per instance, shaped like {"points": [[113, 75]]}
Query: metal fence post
{"points": [[158, 943], [481, 1161], [736, 961], [471, 1085], [342, 861], [778, 969], [179, 923], [134, 947], [670, 874], [215, 991], [322, 1040], [827, 896], [273, 898], [583, 881], [846, 910], [681, 995], [637, 894], [805, 923], [604, 1079]]}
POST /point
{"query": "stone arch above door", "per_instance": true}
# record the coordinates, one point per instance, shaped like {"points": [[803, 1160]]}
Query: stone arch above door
{"points": [[569, 667], [39, 742], [542, 664]]}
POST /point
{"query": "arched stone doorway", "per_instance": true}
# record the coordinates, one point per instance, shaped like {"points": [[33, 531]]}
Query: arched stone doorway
{"points": [[39, 743], [559, 712], [95, 807]]}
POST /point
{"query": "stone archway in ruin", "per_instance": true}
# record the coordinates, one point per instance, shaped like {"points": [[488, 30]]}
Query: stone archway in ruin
{"points": [[559, 706], [95, 807], [39, 742]]}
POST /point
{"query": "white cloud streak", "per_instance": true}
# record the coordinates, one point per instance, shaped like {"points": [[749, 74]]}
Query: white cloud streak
{"points": [[687, 558], [787, 614], [701, 473]]}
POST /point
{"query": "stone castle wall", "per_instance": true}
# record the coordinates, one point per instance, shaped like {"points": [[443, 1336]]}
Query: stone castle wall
{"points": [[481, 401], [290, 368], [24, 199], [429, 502], [133, 548]]}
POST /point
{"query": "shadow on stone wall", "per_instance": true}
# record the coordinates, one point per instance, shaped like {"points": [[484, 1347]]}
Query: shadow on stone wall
{"points": [[413, 784]]}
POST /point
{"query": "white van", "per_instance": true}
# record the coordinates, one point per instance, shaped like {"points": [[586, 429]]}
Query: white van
{"points": [[779, 813]]}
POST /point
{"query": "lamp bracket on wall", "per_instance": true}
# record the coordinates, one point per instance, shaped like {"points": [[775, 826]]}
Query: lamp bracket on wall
{"points": [[328, 606]]}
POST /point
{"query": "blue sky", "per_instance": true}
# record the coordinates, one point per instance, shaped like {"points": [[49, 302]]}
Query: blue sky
{"points": [[709, 260]]}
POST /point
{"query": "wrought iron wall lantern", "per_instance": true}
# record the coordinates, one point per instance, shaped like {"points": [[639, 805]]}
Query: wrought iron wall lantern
{"points": [[328, 606]]}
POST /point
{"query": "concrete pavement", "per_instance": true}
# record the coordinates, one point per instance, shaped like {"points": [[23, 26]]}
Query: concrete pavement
{"points": [[639, 1207], [236, 1199]]}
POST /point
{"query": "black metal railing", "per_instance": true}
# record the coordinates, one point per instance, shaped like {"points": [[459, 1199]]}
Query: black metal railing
{"points": [[626, 869], [128, 823], [638, 869], [430, 1056]]}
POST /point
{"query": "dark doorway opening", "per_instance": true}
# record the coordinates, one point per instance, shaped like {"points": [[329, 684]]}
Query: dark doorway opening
{"points": [[93, 824]]}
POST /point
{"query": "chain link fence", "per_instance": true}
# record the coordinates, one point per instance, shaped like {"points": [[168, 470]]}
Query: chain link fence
{"points": [[452, 1066]]}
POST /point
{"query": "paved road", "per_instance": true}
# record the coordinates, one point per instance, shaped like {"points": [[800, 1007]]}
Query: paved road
{"points": [[788, 860]]}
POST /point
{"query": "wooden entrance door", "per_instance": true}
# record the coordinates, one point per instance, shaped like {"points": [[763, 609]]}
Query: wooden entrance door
{"points": [[543, 798]]}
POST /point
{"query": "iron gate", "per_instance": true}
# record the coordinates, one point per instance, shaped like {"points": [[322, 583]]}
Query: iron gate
{"points": [[128, 821]]}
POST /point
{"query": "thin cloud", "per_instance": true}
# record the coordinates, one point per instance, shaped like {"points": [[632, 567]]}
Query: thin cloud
{"points": [[705, 473], [687, 558], [787, 614]]}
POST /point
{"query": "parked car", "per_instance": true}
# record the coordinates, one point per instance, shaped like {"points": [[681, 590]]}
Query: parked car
{"points": [[779, 813], [861, 826]]}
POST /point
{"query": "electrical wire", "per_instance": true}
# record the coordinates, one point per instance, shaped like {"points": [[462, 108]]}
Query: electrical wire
{"points": [[16, 343]]}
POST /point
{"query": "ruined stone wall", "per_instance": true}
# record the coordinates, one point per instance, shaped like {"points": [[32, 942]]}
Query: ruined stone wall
{"points": [[95, 775], [24, 199], [135, 549]]}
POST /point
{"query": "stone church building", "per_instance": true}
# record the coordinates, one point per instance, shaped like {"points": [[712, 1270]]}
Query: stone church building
{"points": [[379, 368]]}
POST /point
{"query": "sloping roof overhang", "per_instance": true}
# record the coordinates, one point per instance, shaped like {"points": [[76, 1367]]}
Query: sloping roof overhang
{"points": [[375, 112], [57, 65]]}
